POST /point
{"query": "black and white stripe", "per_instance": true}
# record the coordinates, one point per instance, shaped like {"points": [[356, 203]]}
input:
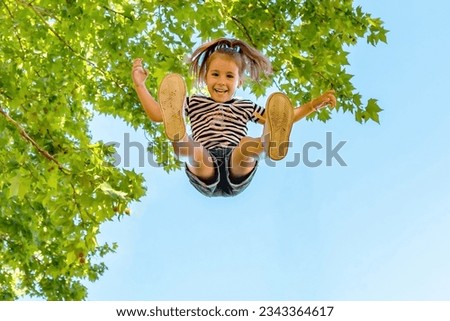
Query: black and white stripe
{"points": [[216, 124]]}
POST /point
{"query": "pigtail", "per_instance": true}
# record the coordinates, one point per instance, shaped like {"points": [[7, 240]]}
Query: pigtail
{"points": [[255, 63], [199, 58], [249, 60]]}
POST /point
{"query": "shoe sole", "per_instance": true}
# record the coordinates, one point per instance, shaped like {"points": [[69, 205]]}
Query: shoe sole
{"points": [[279, 119], [171, 96]]}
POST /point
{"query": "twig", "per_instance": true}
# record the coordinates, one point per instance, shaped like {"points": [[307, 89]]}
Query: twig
{"points": [[117, 12], [5, 94], [244, 28], [79, 207], [27, 137], [15, 30]]}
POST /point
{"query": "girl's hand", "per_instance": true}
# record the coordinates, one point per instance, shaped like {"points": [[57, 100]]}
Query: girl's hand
{"points": [[327, 99], [138, 73]]}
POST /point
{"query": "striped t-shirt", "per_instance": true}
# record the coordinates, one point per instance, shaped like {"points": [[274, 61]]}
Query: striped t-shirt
{"points": [[216, 124]]}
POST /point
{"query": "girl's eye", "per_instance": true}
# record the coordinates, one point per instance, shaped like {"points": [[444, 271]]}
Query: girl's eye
{"points": [[215, 74], [230, 76]]}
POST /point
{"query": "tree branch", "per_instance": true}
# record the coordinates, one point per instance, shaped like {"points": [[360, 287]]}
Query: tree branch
{"points": [[118, 13], [27, 137], [245, 30], [15, 29]]}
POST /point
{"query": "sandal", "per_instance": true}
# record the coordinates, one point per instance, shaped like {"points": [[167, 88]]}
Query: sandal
{"points": [[171, 97], [279, 119]]}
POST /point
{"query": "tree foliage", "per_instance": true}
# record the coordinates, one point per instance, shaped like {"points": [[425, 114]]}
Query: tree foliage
{"points": [[62, 60]]}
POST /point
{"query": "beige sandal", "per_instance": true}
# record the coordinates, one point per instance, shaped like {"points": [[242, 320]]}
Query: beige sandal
{"points": [[279, 119], [171, 97]]}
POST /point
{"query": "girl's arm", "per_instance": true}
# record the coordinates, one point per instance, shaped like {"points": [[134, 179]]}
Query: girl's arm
{"points": [[151, 106], [302, 111]]}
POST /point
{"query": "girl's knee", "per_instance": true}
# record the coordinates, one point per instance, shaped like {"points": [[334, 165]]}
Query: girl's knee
{"points": [[250, 147]]}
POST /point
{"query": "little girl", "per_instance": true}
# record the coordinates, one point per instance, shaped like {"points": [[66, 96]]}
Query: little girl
{"points": [[221, 159]]}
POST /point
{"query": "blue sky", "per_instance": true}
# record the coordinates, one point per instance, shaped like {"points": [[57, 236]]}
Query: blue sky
{"points": [[376, 229]]}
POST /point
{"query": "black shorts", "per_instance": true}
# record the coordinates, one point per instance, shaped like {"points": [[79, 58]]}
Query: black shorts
{"points": [[221, 184]]}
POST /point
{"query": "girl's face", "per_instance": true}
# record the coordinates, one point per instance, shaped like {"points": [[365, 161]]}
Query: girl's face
{"points": [[222, 78]]}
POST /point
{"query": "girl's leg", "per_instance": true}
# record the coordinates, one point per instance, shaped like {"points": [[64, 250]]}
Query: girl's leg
{"points": [[275, 139], [196, 156], [245, 155]]}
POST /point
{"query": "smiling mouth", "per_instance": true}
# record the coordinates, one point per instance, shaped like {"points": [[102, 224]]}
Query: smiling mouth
{"points": [[220, 91]]}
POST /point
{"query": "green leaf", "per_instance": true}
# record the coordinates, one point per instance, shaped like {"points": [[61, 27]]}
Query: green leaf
{"points": [[19, 186], [107, 189], [373, 110]]}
